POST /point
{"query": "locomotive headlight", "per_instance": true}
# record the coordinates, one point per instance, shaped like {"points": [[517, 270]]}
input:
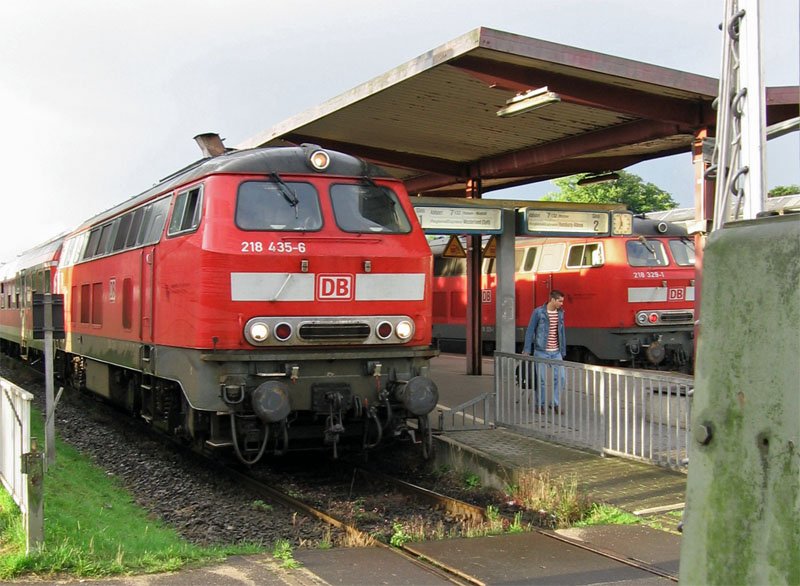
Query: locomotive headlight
{"points": [[320, 160], [404, 330], [259, 331], [641, 318]]}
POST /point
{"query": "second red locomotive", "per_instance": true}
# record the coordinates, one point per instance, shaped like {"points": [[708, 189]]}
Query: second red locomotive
{"points": [[259, 301], [629, 299]]}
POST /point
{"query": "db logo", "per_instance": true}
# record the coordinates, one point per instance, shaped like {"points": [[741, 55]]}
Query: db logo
{"points": [[677, 294], [337, 287]]}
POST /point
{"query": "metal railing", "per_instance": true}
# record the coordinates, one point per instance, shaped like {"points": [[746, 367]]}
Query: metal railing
{"points": [[477, 413], [15, 413], [638, 414], [21, 464]]}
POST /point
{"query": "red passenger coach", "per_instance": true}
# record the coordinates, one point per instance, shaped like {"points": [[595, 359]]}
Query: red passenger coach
{"points": [[629, 299], [261, 300]]}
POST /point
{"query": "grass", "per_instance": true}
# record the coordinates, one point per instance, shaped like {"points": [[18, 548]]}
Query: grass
{"points": [[555, 496], [602, 514], [102, 533]]}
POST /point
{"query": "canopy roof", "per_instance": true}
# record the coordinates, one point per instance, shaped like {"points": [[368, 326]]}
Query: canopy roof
{"points": [[433, 121]]}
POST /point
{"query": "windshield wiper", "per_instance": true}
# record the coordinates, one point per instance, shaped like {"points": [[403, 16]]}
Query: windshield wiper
{"points": [[286, 192], [649, 248]]}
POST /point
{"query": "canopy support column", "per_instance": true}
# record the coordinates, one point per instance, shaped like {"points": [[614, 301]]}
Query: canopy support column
{"points": [[473, 321]]}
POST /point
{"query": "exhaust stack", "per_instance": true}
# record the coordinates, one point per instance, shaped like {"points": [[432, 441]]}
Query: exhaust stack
{"points": [[211, 144]]}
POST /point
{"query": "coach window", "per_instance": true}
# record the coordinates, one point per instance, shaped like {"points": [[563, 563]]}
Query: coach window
{"points": [[186, 212], [66, 252], [91, 247], [645, 253], [73, 249], [277, 206], [368, 208], [585, 256]]}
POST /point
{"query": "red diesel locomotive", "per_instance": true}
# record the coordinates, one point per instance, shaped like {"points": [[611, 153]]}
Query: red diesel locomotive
{"points": [[261, 301], [629, 299]]}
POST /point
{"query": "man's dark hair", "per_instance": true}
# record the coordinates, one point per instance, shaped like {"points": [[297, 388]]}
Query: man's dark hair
{"points": [[556, 294]]}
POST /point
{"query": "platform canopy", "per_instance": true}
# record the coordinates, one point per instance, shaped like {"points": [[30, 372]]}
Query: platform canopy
{"points": [[434, 122]]}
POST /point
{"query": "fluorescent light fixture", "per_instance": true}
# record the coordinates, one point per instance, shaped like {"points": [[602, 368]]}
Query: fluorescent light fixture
{"points": [[598, 178], [527, 101]]}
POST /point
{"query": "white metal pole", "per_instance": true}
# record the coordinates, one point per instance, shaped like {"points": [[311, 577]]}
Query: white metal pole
{"points": [[754, 118]]}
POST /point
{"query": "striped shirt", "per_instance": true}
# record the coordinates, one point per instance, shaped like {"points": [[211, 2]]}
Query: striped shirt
{"points": [[552, 334]]}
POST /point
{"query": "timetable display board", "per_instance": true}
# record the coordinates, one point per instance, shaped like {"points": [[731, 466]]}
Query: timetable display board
{"points": [[547, 222], [447, 219]]}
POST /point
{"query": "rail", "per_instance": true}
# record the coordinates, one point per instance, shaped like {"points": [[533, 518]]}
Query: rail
{"points": [[637, 414]]}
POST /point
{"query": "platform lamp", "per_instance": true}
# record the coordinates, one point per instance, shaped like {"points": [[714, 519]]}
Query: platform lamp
{"points": [[527, 101], [598, 178]]}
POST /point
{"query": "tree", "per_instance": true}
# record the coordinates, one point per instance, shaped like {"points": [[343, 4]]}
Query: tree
{"points": [[629, 189], [781, 190]]}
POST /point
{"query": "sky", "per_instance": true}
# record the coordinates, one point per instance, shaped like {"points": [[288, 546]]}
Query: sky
{"points": [[101, 99]]}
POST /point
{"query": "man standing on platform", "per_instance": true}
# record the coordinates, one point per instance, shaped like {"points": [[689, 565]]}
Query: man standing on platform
{"points": [[546, 334]]}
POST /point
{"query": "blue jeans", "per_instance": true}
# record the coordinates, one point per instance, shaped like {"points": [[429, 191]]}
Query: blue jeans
{"points": [[559, 374]]}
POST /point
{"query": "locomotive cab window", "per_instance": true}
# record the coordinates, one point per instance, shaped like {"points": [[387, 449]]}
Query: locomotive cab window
{"points": [[368, 208], [277, 206], [682, 251], [186, 212], [646, 253]]}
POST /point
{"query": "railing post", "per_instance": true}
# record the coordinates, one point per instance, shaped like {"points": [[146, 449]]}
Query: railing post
{"points": [[33, 468]]}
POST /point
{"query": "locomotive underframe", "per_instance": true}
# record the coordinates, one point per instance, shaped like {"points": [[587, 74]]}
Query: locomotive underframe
{"points": [[653, 346], [206, 397]]}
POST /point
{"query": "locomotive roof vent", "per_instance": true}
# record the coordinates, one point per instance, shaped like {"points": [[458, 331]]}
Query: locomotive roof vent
{"points": [[211, 144]]}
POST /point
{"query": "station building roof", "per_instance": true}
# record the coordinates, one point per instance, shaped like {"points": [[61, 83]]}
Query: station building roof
{"points": [[434, 122]]}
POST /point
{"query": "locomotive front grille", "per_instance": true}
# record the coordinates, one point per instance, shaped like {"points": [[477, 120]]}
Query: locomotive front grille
{"points": [[334, 331]]}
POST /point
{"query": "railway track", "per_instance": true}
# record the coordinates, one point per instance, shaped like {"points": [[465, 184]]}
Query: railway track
{"points": [[450, 574], [457, 508]]}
